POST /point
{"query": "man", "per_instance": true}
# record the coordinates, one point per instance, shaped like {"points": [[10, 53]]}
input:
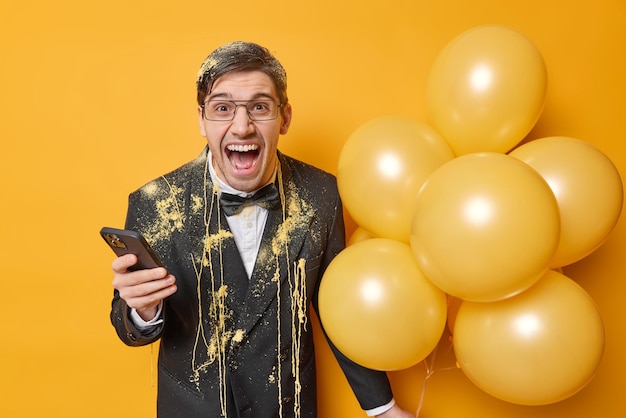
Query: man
{"points": [[232, 308]]}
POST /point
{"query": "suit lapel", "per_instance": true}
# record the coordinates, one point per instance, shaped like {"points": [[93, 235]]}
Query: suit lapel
{"points": [[285, 232]]}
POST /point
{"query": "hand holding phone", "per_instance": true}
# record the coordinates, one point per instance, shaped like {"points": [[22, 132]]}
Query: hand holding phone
{"points": [[139, 285]]}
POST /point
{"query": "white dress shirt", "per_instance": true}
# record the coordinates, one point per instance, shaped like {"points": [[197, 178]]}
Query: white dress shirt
{"points": [[247, 226]]}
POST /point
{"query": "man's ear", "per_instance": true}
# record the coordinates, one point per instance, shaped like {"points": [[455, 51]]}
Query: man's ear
{"points": [[286, 117], [201, 122]]}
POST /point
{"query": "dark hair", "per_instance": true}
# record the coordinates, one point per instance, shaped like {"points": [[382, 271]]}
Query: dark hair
{"points": [[240, 56]]}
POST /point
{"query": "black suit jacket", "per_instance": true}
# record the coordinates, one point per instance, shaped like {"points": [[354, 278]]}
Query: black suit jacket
{"points": [[233, 346]]}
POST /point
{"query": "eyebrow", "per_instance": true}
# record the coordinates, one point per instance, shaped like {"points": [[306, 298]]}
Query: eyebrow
{"points": [[228, 96]]}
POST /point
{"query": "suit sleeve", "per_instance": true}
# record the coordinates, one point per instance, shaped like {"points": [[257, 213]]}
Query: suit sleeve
{"points": [[120, 312], [371, 388]]}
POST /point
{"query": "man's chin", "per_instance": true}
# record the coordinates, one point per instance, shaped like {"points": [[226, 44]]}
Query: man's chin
{"points": [[244, 183]]}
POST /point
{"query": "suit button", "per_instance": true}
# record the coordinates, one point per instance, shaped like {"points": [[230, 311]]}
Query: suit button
{"points": [[287, 399], [283, 357]]}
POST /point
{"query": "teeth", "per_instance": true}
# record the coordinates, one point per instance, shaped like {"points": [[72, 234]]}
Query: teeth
{"points": [[242, 148]]}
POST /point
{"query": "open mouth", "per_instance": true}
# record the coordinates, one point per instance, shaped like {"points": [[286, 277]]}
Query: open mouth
{"points": [[242, 157]]}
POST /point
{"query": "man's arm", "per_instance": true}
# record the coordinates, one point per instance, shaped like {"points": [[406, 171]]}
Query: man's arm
{"points": [[371, 387], [143, 291]]}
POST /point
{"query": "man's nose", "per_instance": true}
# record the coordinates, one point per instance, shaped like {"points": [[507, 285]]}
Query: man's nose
{"points": [[241, 120]]}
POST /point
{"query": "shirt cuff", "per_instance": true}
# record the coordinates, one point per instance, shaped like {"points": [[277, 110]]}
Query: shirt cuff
{"points": [[144, 325], [381, 409]]}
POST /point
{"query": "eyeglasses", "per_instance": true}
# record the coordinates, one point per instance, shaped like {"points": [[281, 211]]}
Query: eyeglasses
{"points": [[225, 110]]}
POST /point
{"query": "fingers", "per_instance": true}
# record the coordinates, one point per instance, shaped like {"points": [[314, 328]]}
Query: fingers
{"points": [[140, 294], [141, 289], [149, 294], [122, 263]]}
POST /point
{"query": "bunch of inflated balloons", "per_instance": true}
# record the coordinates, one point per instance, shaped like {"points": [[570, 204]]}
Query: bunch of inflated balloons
{"points": [[461, 213]]}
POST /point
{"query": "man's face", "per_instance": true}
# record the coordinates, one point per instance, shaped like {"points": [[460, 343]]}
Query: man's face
{"points": [[244, 151]]}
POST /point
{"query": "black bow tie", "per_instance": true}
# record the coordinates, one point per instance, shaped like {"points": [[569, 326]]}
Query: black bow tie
{"points": [[266, 197]]}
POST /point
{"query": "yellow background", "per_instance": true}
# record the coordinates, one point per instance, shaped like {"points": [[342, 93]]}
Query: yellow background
{"points": [[97, 97]]}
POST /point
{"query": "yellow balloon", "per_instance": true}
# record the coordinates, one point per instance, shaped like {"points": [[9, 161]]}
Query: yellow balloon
{"points": [[486, 90], [378, 308], [381, 167], [536, 348], [359, 234], [485, 228], [588, 189]]}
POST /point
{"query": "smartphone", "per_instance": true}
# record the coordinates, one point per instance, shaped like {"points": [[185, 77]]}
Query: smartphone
{"points": [[124, 241]]}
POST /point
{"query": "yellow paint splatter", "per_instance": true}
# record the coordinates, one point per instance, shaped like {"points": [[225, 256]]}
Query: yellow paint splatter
{"points": [[169, 216], [219, 336], [197, 204], [295, 218], [238, 337], [208, 63], [299, 322], [215, 241]]}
